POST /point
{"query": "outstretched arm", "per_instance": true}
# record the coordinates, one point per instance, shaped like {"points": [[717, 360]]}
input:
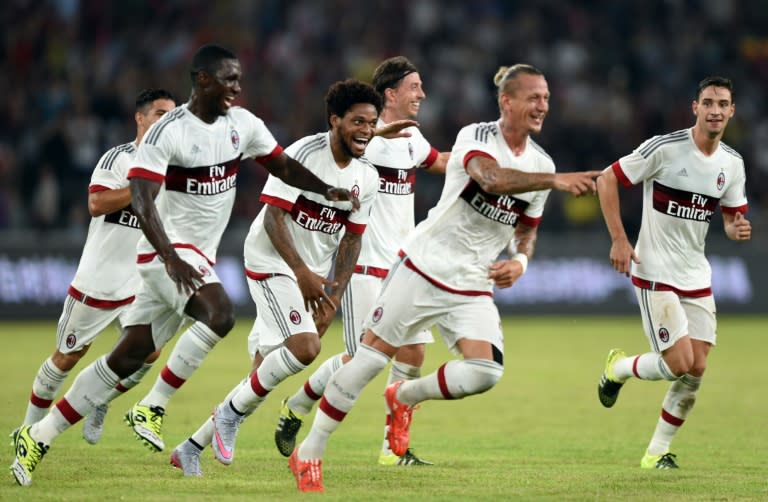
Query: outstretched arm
{"points": [[312, 286], [493, 179], [296, 174], [143, 193], [622, 252]]}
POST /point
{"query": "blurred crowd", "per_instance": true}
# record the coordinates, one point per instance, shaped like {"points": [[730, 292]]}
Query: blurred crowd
{"points": [[619, 72]]}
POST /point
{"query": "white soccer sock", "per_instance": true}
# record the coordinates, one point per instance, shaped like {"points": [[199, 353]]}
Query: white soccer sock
{"points": [[276, 367], [398, 371], [678, 403], [648, 366], [129, 382], [306, 397], [193, 345], [340, 395], [47, 383], [91, 386], [453, 380]]}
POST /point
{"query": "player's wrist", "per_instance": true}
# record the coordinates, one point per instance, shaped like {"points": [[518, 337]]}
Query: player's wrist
{"points": [[521, 258]]}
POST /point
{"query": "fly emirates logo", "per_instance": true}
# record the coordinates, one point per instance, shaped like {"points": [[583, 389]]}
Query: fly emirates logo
{"points": [[216, 182], [499, 208], [318, 217], [396, 181], [682, 204]]}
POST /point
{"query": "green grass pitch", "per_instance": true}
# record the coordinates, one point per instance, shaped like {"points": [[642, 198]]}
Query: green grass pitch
{"points": [[540, 434]]}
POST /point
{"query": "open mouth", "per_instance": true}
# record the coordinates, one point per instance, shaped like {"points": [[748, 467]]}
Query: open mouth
{"points": [[360, 142]]}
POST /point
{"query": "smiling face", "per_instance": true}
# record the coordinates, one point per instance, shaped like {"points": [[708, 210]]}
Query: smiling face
{"points": [[220, 88], [713, 109], [352, 132], [525, 103], [405, 99]]}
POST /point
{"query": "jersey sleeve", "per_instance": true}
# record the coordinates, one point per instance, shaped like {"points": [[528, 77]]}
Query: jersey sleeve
{"points": [[734, 200], [424, 154], [110, 172], [472, 141], [155, 152], [280, 194], [636, 167], [261, 145]]}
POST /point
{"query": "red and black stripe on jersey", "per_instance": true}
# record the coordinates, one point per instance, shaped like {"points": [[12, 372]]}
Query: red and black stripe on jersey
{"points": [[204, 180], [683, 204], [125, 217], [504, 209], [396, 181], [318, 217]]}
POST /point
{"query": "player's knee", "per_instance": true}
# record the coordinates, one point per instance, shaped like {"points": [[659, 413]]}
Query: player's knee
{"points": [[221, 322], [304, 346], [66, 362], [482, 375]]}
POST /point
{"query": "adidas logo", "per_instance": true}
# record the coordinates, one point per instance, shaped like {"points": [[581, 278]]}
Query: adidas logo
{"points": [[682, 172]]}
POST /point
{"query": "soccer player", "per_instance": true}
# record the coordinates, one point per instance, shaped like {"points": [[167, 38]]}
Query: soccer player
{"points": [[288, 254], [193, 153], [685, 174], [106, 278], [447, 272], [398, 81]]}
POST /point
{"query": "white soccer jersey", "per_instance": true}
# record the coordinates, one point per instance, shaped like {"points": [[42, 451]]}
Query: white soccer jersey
{"points": [[315, 224], [199, 164], [468, 228], [392, 219], [681, 190], [107, 269]]}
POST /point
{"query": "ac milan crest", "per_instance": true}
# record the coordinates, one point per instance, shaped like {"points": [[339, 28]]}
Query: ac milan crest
{"points": [[663, 335], [204, 270], [235, 139], [355, 191], [71, 340], [295, 317], [377, 314], [720, 181]]}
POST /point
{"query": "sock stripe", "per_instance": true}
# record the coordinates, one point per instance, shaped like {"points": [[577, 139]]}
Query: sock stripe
{"points": [[39, 401], [67, 411], [293, 364], [310, 392], [671, 419], [205, 335], [442, 383], [256, 385], [121, 388], [333, 413], [634, 367], [105, 373], [171, 378]]}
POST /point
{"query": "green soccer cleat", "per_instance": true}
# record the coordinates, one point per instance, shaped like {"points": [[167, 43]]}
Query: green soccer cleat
{"points": [[29, 453], [666, 461], [406, 460], [287, 429], [147, 424], [609, 387]]}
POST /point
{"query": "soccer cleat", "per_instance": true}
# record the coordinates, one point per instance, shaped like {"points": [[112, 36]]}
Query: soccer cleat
{"points": [[147, 424], [29, 453], [398, 434], [287, 429], [608, 388], [226, 423], [408, 459], [186, 457], [308, 474], [93, 425], [666, 461], [12, 435]]}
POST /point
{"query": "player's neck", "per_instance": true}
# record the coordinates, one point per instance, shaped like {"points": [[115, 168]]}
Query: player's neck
{"points": [[389, 115], [706, 143], [516, 138], [340, 154], [207, 114]]}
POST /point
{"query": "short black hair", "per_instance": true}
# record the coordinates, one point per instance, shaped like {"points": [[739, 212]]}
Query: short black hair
{"points": [[391, 71], [714, 81], [147, 96], [345, 94], [208, 58]]}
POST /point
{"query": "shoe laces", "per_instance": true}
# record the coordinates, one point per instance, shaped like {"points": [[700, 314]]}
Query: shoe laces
{"points": [[31, 453], [667, 461], [155, 418]]}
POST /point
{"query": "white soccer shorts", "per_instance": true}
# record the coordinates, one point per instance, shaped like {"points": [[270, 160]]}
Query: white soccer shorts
{"points": [[667, 317]]}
